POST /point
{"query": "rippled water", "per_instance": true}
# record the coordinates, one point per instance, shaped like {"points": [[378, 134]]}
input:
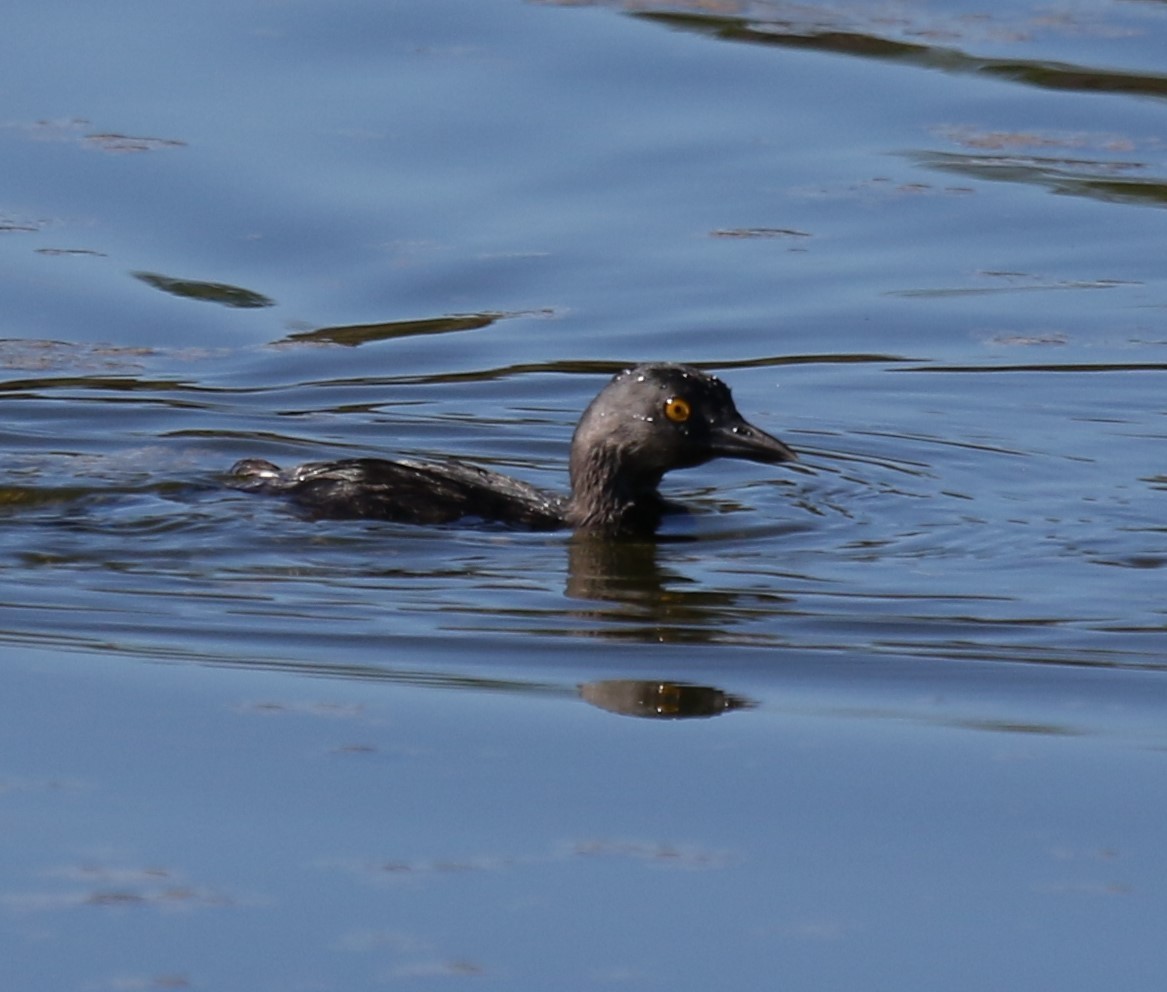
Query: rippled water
{"points": [[1010, 538], [924, 665]]}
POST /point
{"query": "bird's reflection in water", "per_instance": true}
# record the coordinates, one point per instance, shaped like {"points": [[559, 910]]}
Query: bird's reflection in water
{"points": [[624, 593], [651, 605], [660, 700], [622, 571]]}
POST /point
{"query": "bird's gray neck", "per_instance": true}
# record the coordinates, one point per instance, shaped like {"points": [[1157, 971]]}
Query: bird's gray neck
{"points": [[607, 497]]}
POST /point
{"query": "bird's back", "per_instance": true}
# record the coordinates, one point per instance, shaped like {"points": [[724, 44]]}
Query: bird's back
{"points": [[404, 491]]}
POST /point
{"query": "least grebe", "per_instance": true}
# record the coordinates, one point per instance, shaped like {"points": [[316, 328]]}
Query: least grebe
{"points": [[647, 421]]}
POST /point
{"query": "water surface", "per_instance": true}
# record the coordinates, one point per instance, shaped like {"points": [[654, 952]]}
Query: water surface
{"points": [[891, 718]]}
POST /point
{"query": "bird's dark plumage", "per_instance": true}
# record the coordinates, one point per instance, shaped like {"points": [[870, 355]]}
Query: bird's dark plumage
{"points": [[647, 421]]}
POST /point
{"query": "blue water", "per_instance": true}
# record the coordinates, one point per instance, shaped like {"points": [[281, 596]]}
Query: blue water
{"points": [[892, 718]]}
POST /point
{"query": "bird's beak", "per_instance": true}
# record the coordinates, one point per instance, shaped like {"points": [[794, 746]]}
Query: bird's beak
{"points": [[738, 438]]}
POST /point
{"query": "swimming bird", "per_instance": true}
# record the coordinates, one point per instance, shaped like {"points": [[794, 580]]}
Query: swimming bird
{"points": [[647, 421]]}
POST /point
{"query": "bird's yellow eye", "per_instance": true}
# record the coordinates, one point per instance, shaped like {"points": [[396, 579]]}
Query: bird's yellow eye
{"points": [[677, 409]]}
